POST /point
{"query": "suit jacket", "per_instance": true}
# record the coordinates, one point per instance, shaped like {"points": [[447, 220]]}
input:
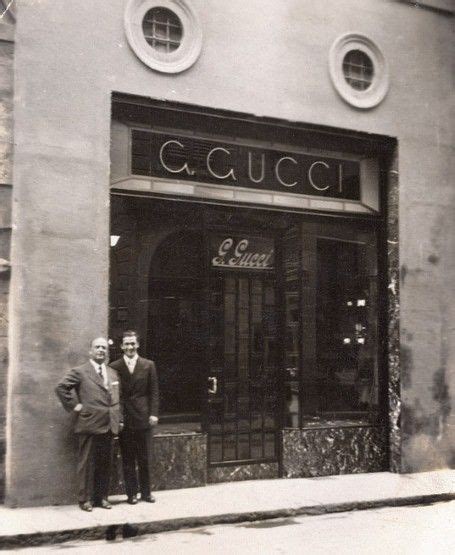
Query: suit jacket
{"points": [[139, 392], [101, 407]]}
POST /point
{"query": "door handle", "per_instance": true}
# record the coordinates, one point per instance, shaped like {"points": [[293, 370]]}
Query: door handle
{"points": [[213, 385]]}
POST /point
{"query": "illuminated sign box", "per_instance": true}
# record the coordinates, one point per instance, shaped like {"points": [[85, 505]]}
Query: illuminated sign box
{"points": [[197, 160]]}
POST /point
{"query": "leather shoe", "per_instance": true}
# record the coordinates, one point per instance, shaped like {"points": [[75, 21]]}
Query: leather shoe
{"points": [[103, 504], [148, 499], [132, 500], [86, 506]]}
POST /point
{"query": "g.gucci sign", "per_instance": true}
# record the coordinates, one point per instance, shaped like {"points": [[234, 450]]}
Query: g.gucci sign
{"points": [[247, 253], [201, 160]]}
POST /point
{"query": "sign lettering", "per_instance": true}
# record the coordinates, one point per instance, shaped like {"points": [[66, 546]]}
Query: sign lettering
{"points": [[240, 252], [237, 165]]}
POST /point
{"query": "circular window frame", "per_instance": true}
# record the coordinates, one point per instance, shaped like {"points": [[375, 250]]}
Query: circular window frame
{"points": [[9, 8], [166, 62], [376, 92]]}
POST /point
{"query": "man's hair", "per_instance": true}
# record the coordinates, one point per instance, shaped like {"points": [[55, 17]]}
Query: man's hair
{"points": [[130, 333]]}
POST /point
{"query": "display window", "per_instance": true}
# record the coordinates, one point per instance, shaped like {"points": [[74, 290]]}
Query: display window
{"points": [[257, 320]]}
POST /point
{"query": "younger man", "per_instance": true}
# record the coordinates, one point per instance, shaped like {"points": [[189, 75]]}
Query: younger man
{"points": [[139, 385]]}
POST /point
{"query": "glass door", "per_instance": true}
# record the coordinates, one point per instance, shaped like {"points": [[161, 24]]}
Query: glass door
{"points": [[243, 352]]}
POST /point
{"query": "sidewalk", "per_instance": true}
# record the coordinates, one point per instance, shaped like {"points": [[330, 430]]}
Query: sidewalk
{"points": [[223, 503]]}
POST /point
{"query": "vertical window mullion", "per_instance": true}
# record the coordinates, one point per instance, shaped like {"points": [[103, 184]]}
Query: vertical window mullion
{"points": [[237, 356]]}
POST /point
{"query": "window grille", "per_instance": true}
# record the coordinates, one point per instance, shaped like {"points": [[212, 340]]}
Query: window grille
{"points": [[358, 70], [162, 29]]}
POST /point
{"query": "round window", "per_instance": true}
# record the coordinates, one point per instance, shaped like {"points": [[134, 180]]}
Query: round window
{"points": [[162, 29], [164, 34], [358, 71]]}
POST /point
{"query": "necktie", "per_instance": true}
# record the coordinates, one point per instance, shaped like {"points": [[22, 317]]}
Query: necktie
{"points": [[101, 375]]}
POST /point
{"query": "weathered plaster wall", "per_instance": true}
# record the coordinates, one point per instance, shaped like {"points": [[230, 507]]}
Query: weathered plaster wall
{"points": [[60, 245], [263, 57], [427, 299], [6, 149]]}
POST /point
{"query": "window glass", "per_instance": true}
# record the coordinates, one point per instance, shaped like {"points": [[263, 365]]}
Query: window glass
{"points": [[307, 313], [162, 29], [346, 342], [358, 70], [292, 339], [157, 288], [176, 323]]}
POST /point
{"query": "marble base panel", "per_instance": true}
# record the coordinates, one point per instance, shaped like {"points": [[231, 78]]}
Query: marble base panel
{"points": [[260, 471], [331, 451], [179, 461]]}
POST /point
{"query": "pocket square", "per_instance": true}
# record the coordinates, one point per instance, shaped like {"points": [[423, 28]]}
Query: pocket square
{"points": [[114, 383]]}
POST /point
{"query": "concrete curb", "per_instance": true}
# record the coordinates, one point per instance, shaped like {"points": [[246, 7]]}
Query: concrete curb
{"points": [[131, 529]]}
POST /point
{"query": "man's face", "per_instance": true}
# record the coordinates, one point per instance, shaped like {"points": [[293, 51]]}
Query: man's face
{"points": [[99, 350], [130, 345]]}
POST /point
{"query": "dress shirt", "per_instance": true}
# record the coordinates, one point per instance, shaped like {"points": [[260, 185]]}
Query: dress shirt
{"points": [[131, 362], [97, 367]]}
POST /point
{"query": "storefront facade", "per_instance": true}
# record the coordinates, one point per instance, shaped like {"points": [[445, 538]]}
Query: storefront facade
{"points": [[247, 198], [251, 267]]}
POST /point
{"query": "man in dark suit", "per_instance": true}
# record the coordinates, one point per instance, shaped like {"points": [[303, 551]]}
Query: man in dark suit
{"points": [[139, 385], [92, 392]]}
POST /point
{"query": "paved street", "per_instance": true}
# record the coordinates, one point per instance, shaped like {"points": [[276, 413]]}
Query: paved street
{"points": [[406, 530]]}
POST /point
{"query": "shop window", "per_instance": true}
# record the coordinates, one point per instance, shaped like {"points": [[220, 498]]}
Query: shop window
{"points": [[346, 328], [331, 324], [245, 341], [292, 276], [156, 288], [175, 324]]}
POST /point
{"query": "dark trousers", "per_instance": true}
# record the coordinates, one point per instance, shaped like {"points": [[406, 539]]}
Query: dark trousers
{"points": [[134, 447], [94, 466]]}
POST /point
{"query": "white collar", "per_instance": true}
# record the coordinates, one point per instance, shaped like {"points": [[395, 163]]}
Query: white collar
{"points": [[131, 361]]}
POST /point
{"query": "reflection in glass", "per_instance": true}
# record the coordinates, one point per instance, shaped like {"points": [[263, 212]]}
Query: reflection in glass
{"points": [[292, 299], [244, 446], [215, 447], [256, 446], [229, 442], [346, 327]]}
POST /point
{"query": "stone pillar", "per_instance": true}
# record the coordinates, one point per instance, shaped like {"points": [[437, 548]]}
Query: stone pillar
{"points": [[6, 149], [59, 251], [393, 315]]}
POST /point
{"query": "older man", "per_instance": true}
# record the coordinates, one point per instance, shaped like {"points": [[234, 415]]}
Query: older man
{"points": [[92, 391]]}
